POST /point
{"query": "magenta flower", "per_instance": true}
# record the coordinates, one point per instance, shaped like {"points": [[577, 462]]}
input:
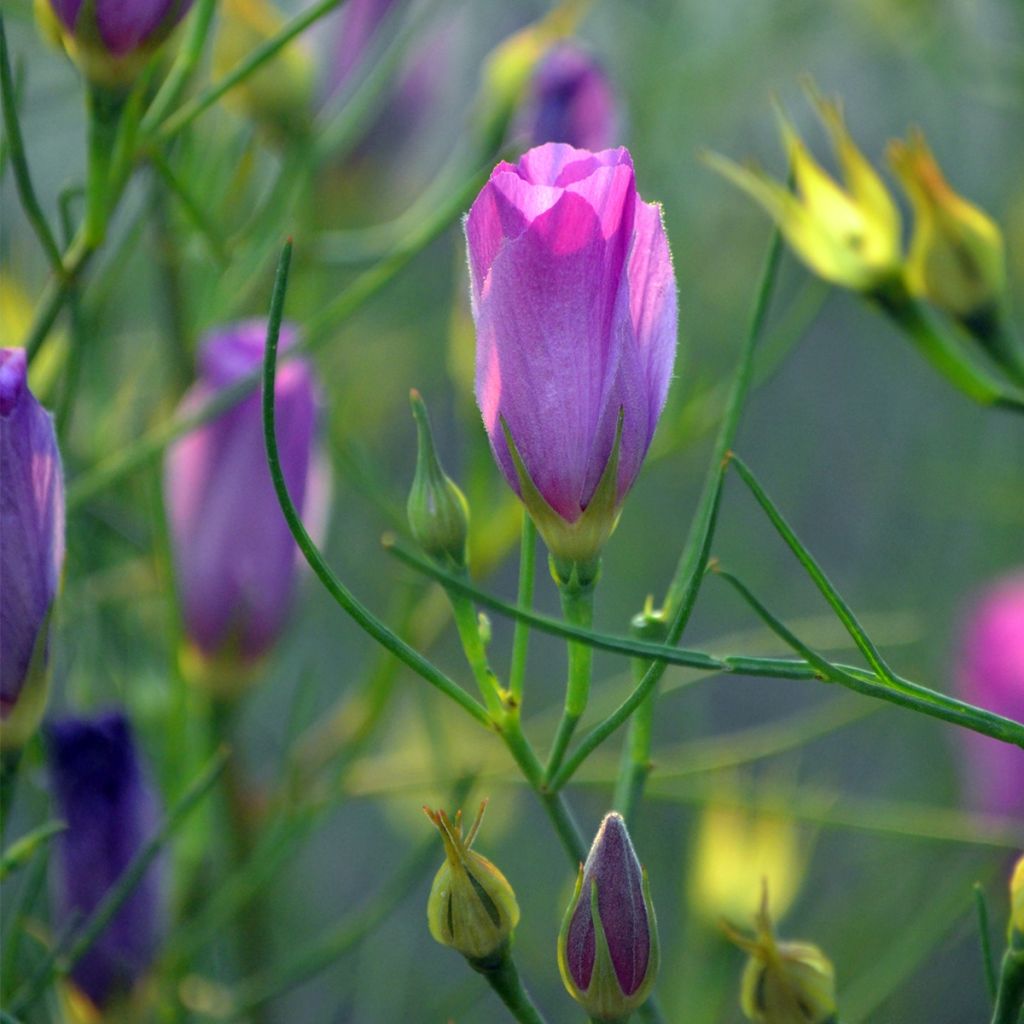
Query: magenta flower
{"points": [[991, 675], [31, 546], [608, 946], [574, 299], [119, 28], [234, 555], [570, 100], [111, 810]]}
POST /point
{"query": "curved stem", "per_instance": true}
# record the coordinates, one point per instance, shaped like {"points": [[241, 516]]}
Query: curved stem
{"points": [[1010, 996], [524, 599], [504, 979], [467, 623]]}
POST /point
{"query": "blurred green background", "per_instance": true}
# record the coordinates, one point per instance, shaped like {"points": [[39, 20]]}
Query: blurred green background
{"points": [[910, 496]]}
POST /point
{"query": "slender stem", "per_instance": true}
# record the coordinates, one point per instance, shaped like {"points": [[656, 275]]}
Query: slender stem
{"points": [[190, 205], [104, 115], [1009, 1006], [468, 624], [504, 979], [987, 961], [524, 599], [344, 597], [56, 292], [19, 160], [578, 610]]}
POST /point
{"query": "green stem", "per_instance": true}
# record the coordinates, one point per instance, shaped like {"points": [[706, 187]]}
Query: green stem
{"points": [[987, 962], [467, 622], [104, 116], [524, 599], [635, 764], [578, 610], [504, 979], [19, 160], [56, 292], [1009, 1007], [944, 353]]}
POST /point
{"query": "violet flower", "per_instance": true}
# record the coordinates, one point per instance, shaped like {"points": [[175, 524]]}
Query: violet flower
{"points": [[608, 946], [109, 38], [106, 800], [570, 100], [31, 546], [234, 555], [991, 675], [574, 298]]}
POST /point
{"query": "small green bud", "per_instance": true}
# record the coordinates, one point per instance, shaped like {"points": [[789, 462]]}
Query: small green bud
{"points": [[472, 907], [784, 982], [437, 509]]}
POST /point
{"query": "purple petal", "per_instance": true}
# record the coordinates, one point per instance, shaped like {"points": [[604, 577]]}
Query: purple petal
{"points": [[556, 163], [234, 554], [991, 675], [67, 12], [110, 809], [612, 864], [357, 26], [546, 350], [571, 101], [125, 25], [31, 522]]}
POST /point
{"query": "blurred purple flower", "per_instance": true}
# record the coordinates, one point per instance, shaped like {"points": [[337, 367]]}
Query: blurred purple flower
{"points": [[234, 555], [570, 100], [610, 976], [31, 528], [355, 30], [574, 298], [991, 675], [122, 26], [105, 798]]}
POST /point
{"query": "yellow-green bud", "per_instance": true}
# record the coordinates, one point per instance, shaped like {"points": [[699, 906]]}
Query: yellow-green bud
{"points": [[956, 258], [784, 982], [437, 509], [471, 908], [1017, 905]]}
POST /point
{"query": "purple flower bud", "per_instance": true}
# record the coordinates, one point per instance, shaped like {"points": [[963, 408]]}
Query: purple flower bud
{"points": [[574, 299], [104, 797], [31, 545], [991, 675], [608, 946], [106, 36], [570, 100], [234, 555]]}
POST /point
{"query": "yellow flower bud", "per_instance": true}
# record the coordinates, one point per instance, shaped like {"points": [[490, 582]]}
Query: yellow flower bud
{"points": [[1017, 904], [278, 95], [956, 258], [784, 982], [734, 850], [472, 907], [850, 234]]}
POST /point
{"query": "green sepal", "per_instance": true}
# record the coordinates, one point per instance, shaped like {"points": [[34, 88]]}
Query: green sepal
{"points": [[575, 547]]}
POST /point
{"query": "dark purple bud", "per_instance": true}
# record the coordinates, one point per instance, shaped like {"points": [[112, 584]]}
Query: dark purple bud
{"points": [[571, 100], [111, 39], [991, 675], [234, 555], [105, 798], [608, 947], [31, 545]]}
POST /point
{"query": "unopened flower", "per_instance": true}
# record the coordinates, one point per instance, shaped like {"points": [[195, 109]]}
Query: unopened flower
{"points": [[784, 982], [957, 259], [991, 675], [574, 299], [278, 96], [105, 798], [234, 556], [31, 548], [608, 945], [472, 907], [111, 39], [849, 234], [437, 509], [570, 99], [1017, 904]]}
